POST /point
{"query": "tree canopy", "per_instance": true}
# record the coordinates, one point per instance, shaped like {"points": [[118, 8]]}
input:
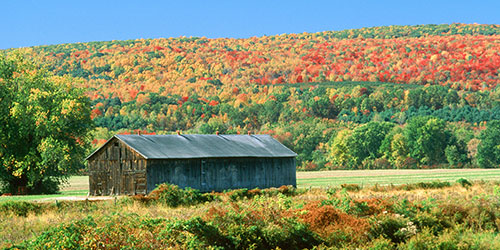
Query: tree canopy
{"points": [[44, 127], [489, 148]]}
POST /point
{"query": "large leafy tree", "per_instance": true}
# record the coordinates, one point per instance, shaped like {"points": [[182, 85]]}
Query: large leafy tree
{"points": [[488, 151], [366, 140], [44, 127], [427, 138]]}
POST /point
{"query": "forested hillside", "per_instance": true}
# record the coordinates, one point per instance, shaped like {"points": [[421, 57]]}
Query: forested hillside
{"points": [[383, 97]]}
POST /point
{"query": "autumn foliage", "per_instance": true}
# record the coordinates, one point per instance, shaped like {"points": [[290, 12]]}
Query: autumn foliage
{"points": [[458, 54], [304, 89]]}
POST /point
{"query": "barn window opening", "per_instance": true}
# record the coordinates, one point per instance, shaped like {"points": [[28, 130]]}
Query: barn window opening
{"points": [[116, 144]]}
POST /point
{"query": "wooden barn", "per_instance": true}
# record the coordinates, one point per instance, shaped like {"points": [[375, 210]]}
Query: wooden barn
{"points": [[136, 164]]}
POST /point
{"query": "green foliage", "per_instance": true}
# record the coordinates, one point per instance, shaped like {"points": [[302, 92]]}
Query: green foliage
{"points": [[213, 125], [393, 227], [423, 141], [243, 193], [427, 138], [464, 182], [488, 151], [307, 119], [426, 185], [173, 196], [338, 150], [64, 237], [346, 203], [365, 140], [44, 127], [454, 156], [316, 219], [22, 208]]}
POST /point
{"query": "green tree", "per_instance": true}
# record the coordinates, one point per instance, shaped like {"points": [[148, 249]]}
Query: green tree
{"points": [[44, 127], [427, 138], [338, 150], [366, 139], [488, 150], [214, 124]]}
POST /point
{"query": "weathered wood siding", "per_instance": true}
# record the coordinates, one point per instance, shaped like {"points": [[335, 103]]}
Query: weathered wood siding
{"points": [[217, 174], [117, 169]]}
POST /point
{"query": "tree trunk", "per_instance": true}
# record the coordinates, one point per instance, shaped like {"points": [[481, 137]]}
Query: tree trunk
{"points": [[18, 185]]}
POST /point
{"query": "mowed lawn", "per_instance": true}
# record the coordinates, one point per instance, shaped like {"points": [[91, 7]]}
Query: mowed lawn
{"points": [[78, 186], [396, 177]]}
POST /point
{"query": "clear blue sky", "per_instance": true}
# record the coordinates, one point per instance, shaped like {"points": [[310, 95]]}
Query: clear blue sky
{"points": [[28, 23]]}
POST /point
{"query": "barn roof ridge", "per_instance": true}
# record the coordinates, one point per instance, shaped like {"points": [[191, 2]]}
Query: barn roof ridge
{"points": [[202, 146]]}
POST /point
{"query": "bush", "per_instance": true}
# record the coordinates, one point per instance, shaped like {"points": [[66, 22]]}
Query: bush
{"points": [[347, 204], [425, 185], [285, 190], [464, 182], [173, 196], [243, 193], [262, 225], [64, 236], [20, 208], [380, 243], [239, 194], [351, 187], [204, 232], [393, 227]]}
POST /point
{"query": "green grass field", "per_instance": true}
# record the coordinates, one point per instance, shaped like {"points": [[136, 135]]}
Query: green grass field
{"points": [[78, 185], [396, 177]]}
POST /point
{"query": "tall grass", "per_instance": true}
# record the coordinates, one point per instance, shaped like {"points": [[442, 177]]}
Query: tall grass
{"points": [[431, 215]]}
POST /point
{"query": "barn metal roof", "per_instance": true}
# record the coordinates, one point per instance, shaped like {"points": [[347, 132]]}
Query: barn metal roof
{"points": [[203, 146]]}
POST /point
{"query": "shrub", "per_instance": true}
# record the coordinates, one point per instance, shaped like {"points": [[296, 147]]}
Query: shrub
{"points": [[425, 185], [285, 190], [347, 204], [20, 208], [204, 232], [351, 187], [64, 236], [263, 223], [433, 223], [380, 243], [173, 196], [243, 193], [327, 221], [454, 213], [393, 227], [238, 194], [168, 194], [464, 182]]}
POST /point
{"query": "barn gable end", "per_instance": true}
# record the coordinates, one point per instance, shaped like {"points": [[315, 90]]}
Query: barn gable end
{"points": [[115, 168]]}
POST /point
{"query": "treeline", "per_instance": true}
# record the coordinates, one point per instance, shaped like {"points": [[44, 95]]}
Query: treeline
{"points": [[396, 31], [313, 119], [425, 141]]}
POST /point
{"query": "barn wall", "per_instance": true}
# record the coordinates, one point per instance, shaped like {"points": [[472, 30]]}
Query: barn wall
{"points": [[218, 174], [117, 170], [184, 173]]}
